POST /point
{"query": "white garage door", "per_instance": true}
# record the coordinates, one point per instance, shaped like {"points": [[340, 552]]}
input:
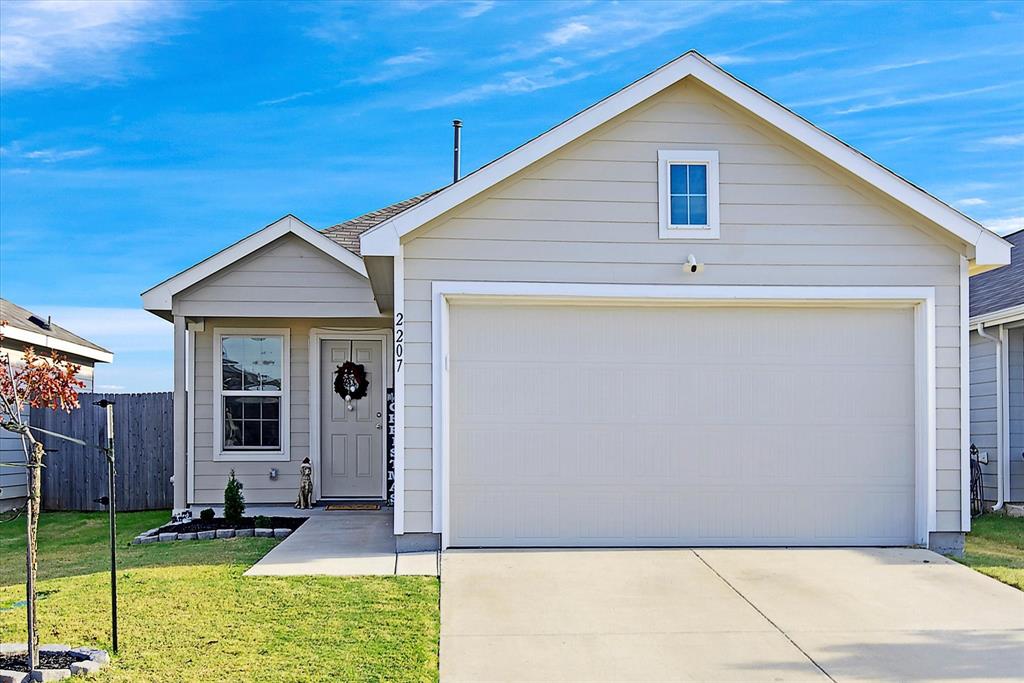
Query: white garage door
{"points": [[587, 425]]}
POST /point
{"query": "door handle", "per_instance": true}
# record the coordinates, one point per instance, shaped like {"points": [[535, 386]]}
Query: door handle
{"points": [[378, 425]]}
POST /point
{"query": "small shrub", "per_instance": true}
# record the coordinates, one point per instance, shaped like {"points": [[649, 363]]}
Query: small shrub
{"points": [[234, 501], [206, 515], [261, 522]]}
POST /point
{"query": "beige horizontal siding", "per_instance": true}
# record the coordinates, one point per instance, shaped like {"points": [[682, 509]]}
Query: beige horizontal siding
{"points": [[588, 213], [288, 277], [210, 475]]}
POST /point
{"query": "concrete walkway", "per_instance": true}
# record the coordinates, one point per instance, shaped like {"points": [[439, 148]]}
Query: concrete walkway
{"points": [[344, 543], [725, 615]]}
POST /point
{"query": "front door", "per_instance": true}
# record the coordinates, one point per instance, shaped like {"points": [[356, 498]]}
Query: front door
{"points": [[351, 450]]}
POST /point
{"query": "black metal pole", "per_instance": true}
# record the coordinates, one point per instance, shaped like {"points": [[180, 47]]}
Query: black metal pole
{"points": [[108, 405], [112, 494]]}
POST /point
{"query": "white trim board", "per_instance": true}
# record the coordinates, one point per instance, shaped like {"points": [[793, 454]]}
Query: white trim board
{"points": [[988, 248], [398, 351], [1000, 317], [317, 336], [190, 416], [965, 398], [45, 341], [159, 298], [922, 298]]}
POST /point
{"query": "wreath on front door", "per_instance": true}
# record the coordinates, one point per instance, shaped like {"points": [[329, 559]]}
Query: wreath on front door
{"points": [[350, 381]]}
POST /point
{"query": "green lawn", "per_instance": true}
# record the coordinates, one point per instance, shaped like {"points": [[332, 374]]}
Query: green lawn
{"points": [[995, 547], [186, 609]]}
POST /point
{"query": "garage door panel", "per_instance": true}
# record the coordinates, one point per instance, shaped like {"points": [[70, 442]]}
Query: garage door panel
{"points": [[681, 426]]}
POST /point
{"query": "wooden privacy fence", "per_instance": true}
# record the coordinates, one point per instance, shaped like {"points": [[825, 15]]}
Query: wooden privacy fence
{"points": [[76, 476]]}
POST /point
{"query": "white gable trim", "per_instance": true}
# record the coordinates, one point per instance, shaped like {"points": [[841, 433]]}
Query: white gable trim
{"points": [[159, 298], [989, 248], [46, 341]]}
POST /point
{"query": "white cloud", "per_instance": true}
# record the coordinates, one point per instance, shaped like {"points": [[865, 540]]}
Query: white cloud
{"points": [[613, 28], [843, 97], [400, 66], [730, 59], [50, 156], [288, 98], [117, 329], [86, 41], [891, 102], [475, 9], [546, 76], [1004, 226], [1005, 140], [567, 33], [971, 201], [417, 56]]}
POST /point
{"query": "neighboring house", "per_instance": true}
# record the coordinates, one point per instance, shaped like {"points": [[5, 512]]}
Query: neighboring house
{"points": [[685, 316], [997, 376], [23, 328]]}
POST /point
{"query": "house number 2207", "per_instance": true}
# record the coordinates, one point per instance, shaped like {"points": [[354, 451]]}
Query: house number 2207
{"points": [[399, 340]]}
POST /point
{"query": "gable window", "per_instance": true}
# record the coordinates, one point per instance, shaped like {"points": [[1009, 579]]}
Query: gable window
{"points": [[688, 194], [250, 406]]}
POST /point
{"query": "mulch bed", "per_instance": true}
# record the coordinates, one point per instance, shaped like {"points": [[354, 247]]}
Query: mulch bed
{"points": [[47, 660], [195, 525]]}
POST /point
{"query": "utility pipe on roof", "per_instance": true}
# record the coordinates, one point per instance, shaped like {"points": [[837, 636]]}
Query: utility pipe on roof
{"points": [[457, 151], [1000, 427]]}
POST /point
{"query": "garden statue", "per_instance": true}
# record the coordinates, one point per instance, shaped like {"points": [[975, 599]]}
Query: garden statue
{"points": [[305, 485]]}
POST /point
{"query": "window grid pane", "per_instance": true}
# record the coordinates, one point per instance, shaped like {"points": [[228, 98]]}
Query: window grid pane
{"points": [[688, 199], [252, 422], [251, 363]]}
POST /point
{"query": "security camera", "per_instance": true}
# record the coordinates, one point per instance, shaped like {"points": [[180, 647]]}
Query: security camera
{"points": [[692, 266]]}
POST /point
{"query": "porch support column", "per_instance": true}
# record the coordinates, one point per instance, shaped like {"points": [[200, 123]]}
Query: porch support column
{"points": [[180, 436]]}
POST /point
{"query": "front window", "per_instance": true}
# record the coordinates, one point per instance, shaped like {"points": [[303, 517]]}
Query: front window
{"points": [[252, 380]]}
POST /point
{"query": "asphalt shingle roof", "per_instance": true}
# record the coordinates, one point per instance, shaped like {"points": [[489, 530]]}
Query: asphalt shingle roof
{"points": [[19, 317], [347, 234], [1003, 287]]}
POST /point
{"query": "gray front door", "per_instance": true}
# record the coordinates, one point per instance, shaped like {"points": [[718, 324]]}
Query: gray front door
{"points": [[351, 451]]}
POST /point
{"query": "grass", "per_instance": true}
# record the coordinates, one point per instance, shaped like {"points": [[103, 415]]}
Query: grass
{"points": [[995, 547], [186, 610]]}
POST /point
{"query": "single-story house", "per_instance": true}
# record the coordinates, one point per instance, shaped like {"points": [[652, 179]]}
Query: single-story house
{"points": [[997, 377], [684, 316], [20, 328]]}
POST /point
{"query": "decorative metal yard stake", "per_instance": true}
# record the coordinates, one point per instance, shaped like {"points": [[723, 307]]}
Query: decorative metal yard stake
{"points": [[108, 405]]}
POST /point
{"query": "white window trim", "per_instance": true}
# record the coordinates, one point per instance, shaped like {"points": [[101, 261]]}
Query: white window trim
{"points": [[236, 455], [668, 157]]}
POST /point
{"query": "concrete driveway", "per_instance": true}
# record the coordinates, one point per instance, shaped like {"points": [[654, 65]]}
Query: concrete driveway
{"points": [[725, 615]]}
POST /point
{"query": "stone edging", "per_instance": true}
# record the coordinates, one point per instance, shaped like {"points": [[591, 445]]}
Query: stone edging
{"points": [[89, 662], [154, 535]]}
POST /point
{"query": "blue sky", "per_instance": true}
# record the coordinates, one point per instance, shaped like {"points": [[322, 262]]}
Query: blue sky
{"points": [[139, 137]]}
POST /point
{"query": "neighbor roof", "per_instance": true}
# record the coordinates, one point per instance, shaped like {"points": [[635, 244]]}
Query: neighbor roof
{"points": [[989, 250], [347, 233], [25, 326], [1001, 288]]}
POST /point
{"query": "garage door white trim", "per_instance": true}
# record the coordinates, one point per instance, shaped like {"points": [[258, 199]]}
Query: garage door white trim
{"points": [[922, 298]]}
